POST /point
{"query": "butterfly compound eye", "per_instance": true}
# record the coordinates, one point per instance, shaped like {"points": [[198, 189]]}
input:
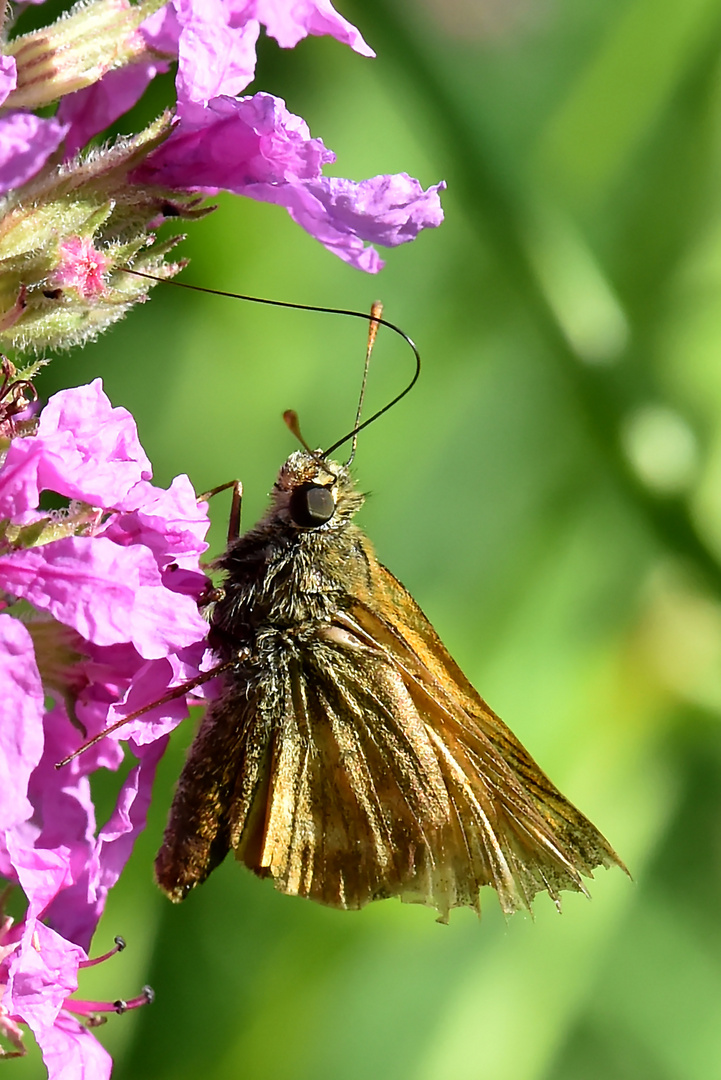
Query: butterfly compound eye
{"points": [[311, 505]]}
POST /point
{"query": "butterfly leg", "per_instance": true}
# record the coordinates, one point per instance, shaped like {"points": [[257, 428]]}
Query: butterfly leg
{"points": [[235, 506]]}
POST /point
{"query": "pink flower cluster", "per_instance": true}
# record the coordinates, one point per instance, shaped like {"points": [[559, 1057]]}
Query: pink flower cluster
{"points": [[252, 146], [100, 614]]}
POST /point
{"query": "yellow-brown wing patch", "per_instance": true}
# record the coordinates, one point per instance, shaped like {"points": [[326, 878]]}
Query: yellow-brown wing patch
{"points": [[546, 842], [384, 779], [355, 801]]}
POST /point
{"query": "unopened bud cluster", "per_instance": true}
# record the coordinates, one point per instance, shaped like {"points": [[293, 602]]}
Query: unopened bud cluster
{"points": [[70, 230], [66, 238]]}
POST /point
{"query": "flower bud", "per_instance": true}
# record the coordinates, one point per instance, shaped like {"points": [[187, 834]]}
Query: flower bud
{"points": [[77, 50], [67, 237]]}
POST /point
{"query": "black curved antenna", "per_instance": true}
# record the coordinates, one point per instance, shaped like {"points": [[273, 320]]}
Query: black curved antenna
{"points": [[394, 401], [308, 307]]}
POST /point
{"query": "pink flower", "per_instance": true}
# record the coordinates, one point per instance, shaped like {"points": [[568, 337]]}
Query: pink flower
{"points": [[342, 214], [26, 143], [125, 589], [256, 147], [290, 23], [81, 267], [83, 448], [21, 736], [233, 144], [214, 40], [91, 110], [8, 76], [114, 584], [39, 972], [252, 146]]}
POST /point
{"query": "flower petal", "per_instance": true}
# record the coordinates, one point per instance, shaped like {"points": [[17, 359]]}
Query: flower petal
{"points": [[84, 449], [170, 522], [42, 874], [89, 111], [214, 56], [229, 144], [21, 721], [43, 971], [8, 76], [289, 23], [41, 975], [109, 594], [342, 214], [151, 683], [71, 1051], [26, 143]]}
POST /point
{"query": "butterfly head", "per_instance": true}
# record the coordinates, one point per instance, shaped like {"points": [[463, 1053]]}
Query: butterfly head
{"points": [[314, 494]]}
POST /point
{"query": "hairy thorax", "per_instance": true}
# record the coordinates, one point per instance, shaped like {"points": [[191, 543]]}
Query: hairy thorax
{"points": [[286, 581]]}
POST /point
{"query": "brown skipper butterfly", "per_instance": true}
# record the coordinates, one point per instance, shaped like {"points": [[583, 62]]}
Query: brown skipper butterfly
{"points": [[348, 758]]}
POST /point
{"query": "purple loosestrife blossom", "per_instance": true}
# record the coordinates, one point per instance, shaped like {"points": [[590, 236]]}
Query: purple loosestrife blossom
{"points": [[100, 610], [96, 63], [254, 146]]}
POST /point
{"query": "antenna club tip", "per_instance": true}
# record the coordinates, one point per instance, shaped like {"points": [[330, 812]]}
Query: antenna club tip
{"points": [[293, 423], [290, 417]]}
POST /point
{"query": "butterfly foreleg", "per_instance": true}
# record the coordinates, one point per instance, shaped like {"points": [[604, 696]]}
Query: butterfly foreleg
{"points": [[235, 506]]}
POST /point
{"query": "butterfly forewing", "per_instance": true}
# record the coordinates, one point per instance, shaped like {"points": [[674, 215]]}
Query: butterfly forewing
{"points": [[349, 758], [546, 841]]}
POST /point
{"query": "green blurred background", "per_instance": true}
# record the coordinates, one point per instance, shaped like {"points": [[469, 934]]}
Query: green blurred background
{"points": [[548, 493]]}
